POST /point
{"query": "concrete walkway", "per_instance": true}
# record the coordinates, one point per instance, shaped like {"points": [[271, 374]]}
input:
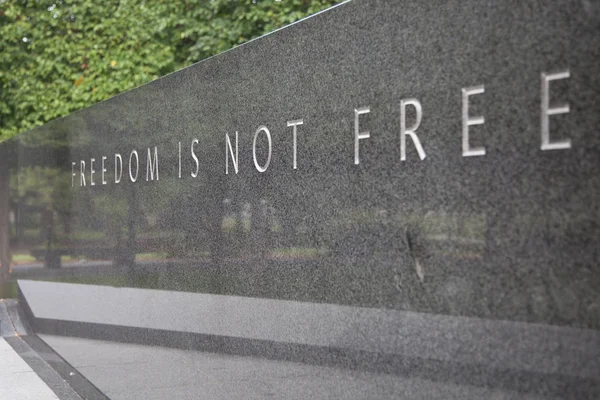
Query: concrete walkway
{"points": [[24, 374], [18, 381]]}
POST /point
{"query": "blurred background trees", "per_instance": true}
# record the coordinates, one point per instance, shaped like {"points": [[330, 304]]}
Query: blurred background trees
{"points": [[58, 56]]}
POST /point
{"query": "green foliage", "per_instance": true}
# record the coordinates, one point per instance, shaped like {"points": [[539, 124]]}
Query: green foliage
{"points": [[58, 56]]}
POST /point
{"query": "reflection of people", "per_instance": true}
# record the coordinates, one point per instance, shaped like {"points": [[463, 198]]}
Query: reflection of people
{"points": [[411, 269], [52, 258], [46, 227], [261, 227]]}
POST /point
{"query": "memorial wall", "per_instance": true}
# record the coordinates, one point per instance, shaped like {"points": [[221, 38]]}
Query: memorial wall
{"points": [[435, 158]]}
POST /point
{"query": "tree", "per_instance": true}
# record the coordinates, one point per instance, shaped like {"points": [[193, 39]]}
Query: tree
{"points": [[58, 56]]}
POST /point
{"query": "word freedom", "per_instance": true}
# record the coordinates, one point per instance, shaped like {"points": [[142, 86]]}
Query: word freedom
{"points": [[86, 173]]}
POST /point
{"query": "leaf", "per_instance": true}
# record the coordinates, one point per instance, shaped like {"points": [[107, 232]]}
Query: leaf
{"points": [[41, 78]]}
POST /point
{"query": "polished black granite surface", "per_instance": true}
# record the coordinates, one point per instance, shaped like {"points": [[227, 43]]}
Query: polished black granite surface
{"points": [[206, 180]]}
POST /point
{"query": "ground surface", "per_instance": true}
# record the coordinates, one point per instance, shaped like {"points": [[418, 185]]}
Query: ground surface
{"points": [[18, 381], [126, 371]]}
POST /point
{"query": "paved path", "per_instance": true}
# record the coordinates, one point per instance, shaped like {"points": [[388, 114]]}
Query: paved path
{"points": [[18, 381], [24, 374]]}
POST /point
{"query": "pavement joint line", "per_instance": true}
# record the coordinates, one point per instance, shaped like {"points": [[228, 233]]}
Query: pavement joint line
{"points": [[65, 371], [33, 371]]}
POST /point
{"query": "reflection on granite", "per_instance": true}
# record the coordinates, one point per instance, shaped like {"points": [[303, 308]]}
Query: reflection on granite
{"points": [[125, 371], [511, 234]]}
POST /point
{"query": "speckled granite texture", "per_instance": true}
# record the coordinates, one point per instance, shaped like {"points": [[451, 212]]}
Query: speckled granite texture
{"points": [[510, 235]]}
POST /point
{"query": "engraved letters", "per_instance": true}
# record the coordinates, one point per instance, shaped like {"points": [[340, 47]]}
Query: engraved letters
{"points": [[137, 166], [467, 121], [152, 166], [546, 112], [234, 159], [194, 173], [82, 182], [411, 131], [120, 168], [73, 174], [406, 108], [103, 169], [295, 125], [92, 172], [256, 164], [357, 134]]}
